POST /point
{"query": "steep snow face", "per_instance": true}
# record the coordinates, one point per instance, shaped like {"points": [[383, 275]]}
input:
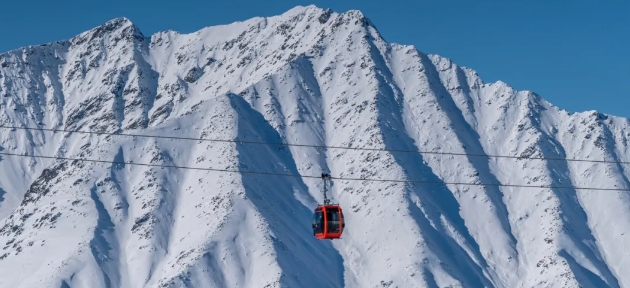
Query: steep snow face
{"points": [[308, 76]]}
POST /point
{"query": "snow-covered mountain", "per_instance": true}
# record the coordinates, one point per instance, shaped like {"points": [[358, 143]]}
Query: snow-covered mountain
{"points": [[308, 76]]}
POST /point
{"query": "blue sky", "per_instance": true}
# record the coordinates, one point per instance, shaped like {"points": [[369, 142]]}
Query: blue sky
{"points": [[574, 53]]}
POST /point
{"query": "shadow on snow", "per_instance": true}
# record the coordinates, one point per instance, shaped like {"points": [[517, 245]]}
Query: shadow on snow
{"points": [[289, 220], [439, 199]]}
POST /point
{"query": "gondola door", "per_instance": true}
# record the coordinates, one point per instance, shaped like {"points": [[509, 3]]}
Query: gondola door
{"points": [[319, 224]]}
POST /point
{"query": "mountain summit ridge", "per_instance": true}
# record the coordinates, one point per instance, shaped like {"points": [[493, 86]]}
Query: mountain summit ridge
{"points": [[308, 76]]}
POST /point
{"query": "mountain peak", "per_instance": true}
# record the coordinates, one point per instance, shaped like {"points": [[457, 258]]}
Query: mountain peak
{"points": [[324, 13], [301, 8], [122, 27], [119, 21]]}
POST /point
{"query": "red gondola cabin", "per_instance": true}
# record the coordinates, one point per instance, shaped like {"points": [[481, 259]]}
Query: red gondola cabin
{"points": [[328, 222]]}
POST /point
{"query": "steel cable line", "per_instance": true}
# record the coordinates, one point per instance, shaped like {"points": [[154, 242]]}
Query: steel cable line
{"points": [[318, 177], [317, 146]]}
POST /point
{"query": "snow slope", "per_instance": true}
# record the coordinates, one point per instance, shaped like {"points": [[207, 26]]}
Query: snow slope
{"points": [[308, 76]]}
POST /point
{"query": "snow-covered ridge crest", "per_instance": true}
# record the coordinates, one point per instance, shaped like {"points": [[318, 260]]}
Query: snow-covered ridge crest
{"points": [[308, 76]]}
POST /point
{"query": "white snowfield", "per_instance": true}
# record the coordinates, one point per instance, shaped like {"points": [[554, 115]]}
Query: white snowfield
{"points": [[309, 76]]}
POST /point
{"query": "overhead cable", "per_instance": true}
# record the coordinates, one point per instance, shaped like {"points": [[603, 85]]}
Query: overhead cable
{"points": [[319, 146], [319, 176]]}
